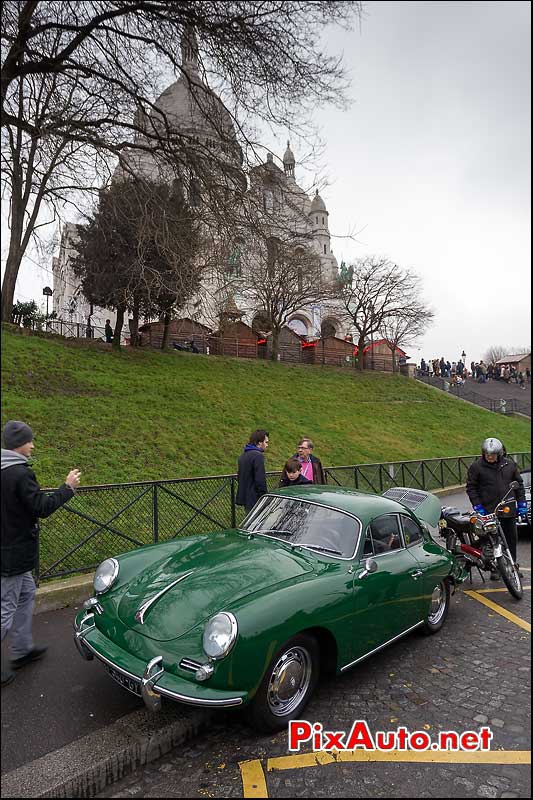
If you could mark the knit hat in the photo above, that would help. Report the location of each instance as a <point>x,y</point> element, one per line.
<point>16,434</point>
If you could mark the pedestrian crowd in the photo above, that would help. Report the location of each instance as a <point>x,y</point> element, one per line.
<point>458,373</point>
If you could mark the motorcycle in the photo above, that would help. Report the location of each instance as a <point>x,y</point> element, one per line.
<point>478,541</point>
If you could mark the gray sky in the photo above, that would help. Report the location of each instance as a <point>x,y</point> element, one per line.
<point>431,163</point>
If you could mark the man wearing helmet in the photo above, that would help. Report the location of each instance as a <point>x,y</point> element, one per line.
<point>488,481</point>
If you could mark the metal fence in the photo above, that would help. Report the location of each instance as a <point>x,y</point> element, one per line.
<point>101,521</point>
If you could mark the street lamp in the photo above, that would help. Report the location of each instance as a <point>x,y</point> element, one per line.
<point>48,293</point>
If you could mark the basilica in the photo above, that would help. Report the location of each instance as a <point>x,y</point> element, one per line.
<point>205,134</point>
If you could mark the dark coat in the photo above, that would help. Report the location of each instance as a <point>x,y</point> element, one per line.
<point>285,480</point>
<point>318,471</point>
<point>251,476</point>
<point>22,505</point>
<point>486,483</point>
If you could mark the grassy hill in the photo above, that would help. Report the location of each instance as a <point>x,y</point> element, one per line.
<point>139,415</point>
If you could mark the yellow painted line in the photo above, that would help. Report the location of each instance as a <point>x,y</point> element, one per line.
<point>423,756</point>
<point>501,610</point>
<point>489,591</point>
<point>253,779</point>
<point>253,776</point>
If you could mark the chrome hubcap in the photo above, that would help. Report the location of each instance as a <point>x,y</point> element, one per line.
<point>438,604</point>
<point>289,681</point>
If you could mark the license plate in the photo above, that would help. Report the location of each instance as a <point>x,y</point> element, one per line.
<point>130,684</point>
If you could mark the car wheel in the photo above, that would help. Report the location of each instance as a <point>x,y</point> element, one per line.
<point>287,685</point>
<point>439,606</point>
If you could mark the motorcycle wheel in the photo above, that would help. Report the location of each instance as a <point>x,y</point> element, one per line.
<point>510,576</point>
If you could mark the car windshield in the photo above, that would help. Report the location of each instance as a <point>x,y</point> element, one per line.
<point>320,528</point>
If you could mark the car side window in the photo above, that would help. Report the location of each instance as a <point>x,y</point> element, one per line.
<point>368,547</point>
<point>385,532</point>
<point>411,531</point>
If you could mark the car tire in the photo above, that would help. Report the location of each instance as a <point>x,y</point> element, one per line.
<point>287,685</point>
<point>439,605</point>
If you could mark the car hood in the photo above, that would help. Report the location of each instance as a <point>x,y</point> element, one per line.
<point>209,573</point>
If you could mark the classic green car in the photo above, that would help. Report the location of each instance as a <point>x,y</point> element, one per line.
<point>315,579</point>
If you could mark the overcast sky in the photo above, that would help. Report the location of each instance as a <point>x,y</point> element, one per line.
<point>431,163</point>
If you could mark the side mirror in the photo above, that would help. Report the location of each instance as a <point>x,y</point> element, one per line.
<point>514,485</point>
<point>369,565</point>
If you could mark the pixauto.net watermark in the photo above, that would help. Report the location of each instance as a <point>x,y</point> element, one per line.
<point>360,737</point>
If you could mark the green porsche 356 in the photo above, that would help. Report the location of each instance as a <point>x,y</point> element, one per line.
<point>315,579</point>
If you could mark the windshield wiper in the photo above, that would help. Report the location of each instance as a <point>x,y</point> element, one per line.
<point>272,530</point>
<point>319,548</point>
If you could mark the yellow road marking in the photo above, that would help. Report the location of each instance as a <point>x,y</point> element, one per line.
<point>422,756</point>
<point>500,610</point>
<point>488,591</point>
<point>253,778</point>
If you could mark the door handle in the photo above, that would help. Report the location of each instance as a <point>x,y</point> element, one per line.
<point>416,573</point>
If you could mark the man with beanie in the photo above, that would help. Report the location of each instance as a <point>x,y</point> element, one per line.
<point>251,471</point>
<point>22,505</point>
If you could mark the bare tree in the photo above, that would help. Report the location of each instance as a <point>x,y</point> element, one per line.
<point>400,330</point>
<point>373,291</point>
<point>283,278</point>
<point>79,82</point>
<point>498,351</point>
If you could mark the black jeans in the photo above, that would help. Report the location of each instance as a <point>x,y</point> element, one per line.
<point>509,529</point>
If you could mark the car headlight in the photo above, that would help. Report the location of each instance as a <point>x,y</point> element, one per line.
<point>220,634</point>
<point>105,575</point>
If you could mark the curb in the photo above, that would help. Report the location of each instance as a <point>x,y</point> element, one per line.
<point>460,487</point>
<point>51,597</point>
<point>90,764</point>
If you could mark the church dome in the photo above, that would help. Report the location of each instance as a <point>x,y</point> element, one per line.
<point>317,204</point>
<point>288,157</point>
<point>192,108</point>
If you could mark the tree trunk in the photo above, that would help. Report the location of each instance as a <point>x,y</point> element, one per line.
<point>166,330</point>
<point>360,354</point>
<point>118,326</point>
<point>134,326</point>
<point>275,344</point>
<point>394,366</point>
<point>14,259</point>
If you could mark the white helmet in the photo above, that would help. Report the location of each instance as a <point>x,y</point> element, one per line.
<point>492,447</point>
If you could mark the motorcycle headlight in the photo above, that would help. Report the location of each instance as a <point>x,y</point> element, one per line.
<point>220,634</point>
<point>105,575</point>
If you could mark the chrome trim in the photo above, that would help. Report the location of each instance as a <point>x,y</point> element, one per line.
<point>321,505</point>
<point>381,646</point>
<point>141,611</point>
<point>152,699</point>
<point>190,664</point>
<point>79,633</point>
<point>192,701</point>
<point>95,604</point>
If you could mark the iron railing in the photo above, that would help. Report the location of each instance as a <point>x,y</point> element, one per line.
<point>101,521</point>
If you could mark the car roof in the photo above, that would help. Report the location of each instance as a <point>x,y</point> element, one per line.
<point>363,505</point>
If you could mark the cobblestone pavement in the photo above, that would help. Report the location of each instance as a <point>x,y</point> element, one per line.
<point>475,672</point>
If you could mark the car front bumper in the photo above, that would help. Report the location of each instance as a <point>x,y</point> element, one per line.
<point>149,680</point>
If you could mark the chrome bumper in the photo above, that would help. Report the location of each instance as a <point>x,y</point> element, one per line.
<point>150,693</point>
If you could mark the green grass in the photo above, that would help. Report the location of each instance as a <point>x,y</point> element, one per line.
<point>143,415</point>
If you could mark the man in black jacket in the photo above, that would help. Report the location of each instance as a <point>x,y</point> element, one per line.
<point>488,482</point>
<point>251,470</point>
<point>22,505</point>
